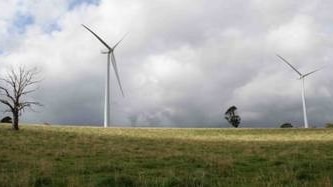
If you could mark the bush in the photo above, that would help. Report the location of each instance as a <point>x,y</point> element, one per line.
<point>6,119</point>
<point>286,125</point>
<point>329,125</point>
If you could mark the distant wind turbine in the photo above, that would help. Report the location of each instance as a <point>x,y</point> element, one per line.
<point>111,56</point>
<point>301,77</point>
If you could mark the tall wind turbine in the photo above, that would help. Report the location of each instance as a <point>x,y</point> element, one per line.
<point>301,77</point>
<point>111,56</point>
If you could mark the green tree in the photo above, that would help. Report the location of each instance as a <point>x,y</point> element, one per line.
<point>231,116</point>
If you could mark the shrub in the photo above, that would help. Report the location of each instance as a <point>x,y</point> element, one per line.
<point>329,125</point>
<point>286,125</point>
<point>6,119</point>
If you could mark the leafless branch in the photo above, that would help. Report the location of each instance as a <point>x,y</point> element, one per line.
<point>7,103</point>
<point>7,94</point>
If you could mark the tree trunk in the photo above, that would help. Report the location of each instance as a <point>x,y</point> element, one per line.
<point>15,121</point>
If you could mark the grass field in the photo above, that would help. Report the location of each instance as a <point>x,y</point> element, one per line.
<point>75,156</point>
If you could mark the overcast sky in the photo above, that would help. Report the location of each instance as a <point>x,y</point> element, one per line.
<point>183,64</point>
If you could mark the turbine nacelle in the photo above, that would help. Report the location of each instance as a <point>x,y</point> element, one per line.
<point>106,52</point>
<point>305,75</point>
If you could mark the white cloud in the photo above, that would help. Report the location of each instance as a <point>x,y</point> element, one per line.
<point>293,37</point>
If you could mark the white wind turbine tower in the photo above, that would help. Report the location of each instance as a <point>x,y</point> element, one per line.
<point>107,80</point>
<point>301,77</point>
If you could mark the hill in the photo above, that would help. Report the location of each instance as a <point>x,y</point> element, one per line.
<point>83,156</point>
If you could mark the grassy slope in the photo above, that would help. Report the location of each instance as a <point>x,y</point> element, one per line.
<point>69,156</point>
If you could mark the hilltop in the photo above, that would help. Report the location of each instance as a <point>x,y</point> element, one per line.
<point>70,156</point>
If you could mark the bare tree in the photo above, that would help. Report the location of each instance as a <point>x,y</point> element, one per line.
<point>15,87</point>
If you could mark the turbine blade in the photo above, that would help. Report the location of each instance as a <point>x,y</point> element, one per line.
<point>312,72</point>
<point>119,41</point>
<point>100,39</point>
<point>114,63</point>
<point>284,60</point>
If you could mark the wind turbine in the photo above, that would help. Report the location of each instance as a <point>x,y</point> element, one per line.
<point>301,77</point>
<point>111,56</point>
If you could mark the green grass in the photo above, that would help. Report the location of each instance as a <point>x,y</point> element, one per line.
<point>75,156</point>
